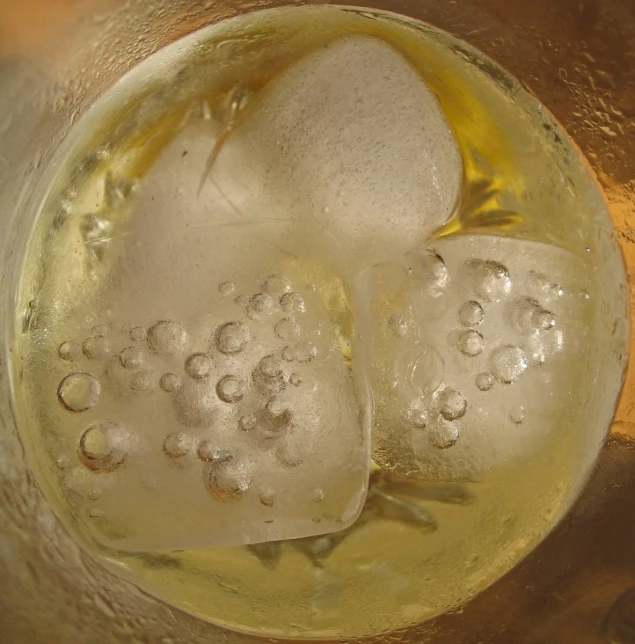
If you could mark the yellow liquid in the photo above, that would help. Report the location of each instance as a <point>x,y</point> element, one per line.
<point>404,561</point>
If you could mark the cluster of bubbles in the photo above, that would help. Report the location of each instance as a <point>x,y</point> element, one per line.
<point>198,390</point>
<point>489,282</point>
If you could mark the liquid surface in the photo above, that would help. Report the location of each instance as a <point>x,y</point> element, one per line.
<point>270,254</point>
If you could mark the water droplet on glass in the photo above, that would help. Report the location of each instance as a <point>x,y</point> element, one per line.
<point>232,338</point>
<point>471,313</point>
<point>167,338</point>
<point>199,366</point>
<point>176,445</point>
<point>288,354</point>
<point>292,303</point>
<point>79,391</point>
<point>318,495</point>
<point>267,498</point>
<point>543,320</point>
<point>208,451</point>
<point>426,371</point>
<point>248,422</point>
<point>296,379</point>
<point>398,326</point>
<point>131,358</point>
<point>242,300</point>
<point>69,351</point>
<point>277,285</point>
<point>305,352</point>
<point>102,448</point>
<point>417,413</point>
<point>443,434</point>
<point>271,374</point>
<point>231,389</point>
<point>277,409</point>
<point>170,382</point>
<point>491,280</point>
<point>429,267</point>
<point>508,363</point>
<point>226,288</point>
<point>517,415</point>
<point>228,482</point>
<point>287,329</point>
<point>138,334</point>
<point>484,381</point>
<point>261,304</point>
<point>96,348</point>
<point>452,404</point>
<point>471,343</point>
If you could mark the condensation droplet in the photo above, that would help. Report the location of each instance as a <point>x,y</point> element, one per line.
<point>296,379</point>
<point>508,363</point>
<point>471,343</point>
<point>544,320</point>
<point>231,389</point>
<point>277,285</point>
<point>96,348</point>
<point>232,338</point>
<point>167,338</point>
<point>517,415</point>
<point>452,404</point>
<point>305,352</point>
<point>138,334</point>
<point>271,374</point>
<point>426,371</point>
<point>471,313</point>
<point>170,382</point>
<point>491,280</point>
<point>261,304</point>
<point>484,381</point>
<point>398,326</point>
<point>417,413</point>
<point>176,445</point>
<point>443,434</point>
<point>199,366</point>
<point>226,288</point>
<point>242,300</point>
<point>267,498</point>
<point>69,351</point>
<point>288,354</point>
<point>292,303</point>
<point>318,495</point>
<point>101,447</point>
<point>287,329</point>
<point>79,391</point>
<point>429,267</point>
<point>278,409</point>
<point>248,422</point>
<point>131,358</point>
<point>228,482</point>
<point>211,453</point>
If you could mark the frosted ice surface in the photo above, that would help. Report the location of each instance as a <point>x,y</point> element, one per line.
<point>349,139</point>
<point>477,352</point>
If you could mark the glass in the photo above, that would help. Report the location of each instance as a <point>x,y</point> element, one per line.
<point>58,56</point>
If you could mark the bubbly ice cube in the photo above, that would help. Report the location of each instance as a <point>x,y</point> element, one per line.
<point>478,352</point>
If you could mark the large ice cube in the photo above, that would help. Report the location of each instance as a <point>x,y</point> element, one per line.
<point>479,351</point>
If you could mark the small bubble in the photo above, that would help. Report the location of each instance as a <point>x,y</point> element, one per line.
<point>288,354</point>
<point>79,391</point>
<point>96,348</point>
<point>199,366</point>
<point>242,300</point>
<point>452,404</point>
<point>209,452</point>
<point>296,379</point>
<point>471,313</point>
<point>131,358</point>
<point>398,326</point>
<point>167,338</point>
<point>318,495</point>
<point>228,482</point>
<point>232,338</point>
<point>484,381</point>
<point>443,434</point>
<point>176,445</point>
<point>138,334</point>
<point>277,285</point>
<point>248,422</point>
<point>417,413</point>
<point>99,331</point>
<point>471,343</point>
<point>491,280</point>
<point>517,415</point>
<point>142,383</point>
<point>226,288</point>
<point>305,352</point>
<point>287,329</point>
<point>267,498</point>
<point>231,389</point>
<point>508,363</point>
<point>292,303</point>
<point>69,351</point>
<point>261,304</point>
<point>101,447</point>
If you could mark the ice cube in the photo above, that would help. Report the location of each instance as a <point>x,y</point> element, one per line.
<point>480,352</point>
